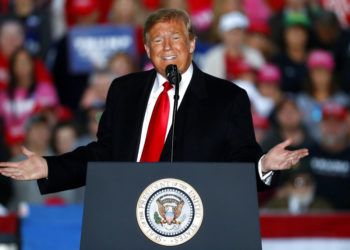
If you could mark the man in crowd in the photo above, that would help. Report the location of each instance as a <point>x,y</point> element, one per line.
<point>223,59</point>
<point>213,120</point>
<point>329,162</point>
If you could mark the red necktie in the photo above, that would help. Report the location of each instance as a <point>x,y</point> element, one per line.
<point>157,127</point>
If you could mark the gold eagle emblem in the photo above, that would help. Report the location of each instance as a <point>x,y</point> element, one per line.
<point>170,211</point>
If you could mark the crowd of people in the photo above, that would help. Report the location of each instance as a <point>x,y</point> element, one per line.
<point>291,56</point>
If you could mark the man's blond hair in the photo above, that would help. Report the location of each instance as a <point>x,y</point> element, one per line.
<point>167,15</point>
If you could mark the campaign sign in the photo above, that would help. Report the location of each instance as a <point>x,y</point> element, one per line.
<point>91,47</point>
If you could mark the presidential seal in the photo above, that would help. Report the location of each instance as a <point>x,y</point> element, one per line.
<point>169,212</point>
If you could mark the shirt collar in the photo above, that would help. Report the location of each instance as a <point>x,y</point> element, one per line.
<point>185,80</point>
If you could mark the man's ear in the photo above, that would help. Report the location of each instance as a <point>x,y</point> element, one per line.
<point>147,50</point>
<point>192,45</point>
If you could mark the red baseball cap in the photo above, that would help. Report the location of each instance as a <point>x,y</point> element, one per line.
<point>82,7</point>
<point>259,27</point>
<point>334,110</point>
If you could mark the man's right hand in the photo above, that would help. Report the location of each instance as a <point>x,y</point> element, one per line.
<point>33,168</point>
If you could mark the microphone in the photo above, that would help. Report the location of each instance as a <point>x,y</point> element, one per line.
<point>172,74</point>
<point>174,77</point>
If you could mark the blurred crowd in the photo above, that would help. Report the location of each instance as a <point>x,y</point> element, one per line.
<point>291,56</point>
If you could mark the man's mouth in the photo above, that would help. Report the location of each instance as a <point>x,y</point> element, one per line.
<point>168,58</point>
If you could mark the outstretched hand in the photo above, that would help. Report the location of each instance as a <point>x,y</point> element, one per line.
<point>33,168</point>
<point>279,158</point>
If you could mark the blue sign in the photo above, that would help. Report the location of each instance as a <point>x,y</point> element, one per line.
<point>91,47</point>
<point>52,227</point>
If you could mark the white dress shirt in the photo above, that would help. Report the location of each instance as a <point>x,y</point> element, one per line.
<point>156,90</point>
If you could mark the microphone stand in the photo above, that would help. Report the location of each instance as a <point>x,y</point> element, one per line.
<point>174,77</point>
<point>176,100</point>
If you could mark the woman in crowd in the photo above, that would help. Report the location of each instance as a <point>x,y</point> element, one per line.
<point>292,58</point>
<point>25,96</point>
<point>64,136</point>
<point>287,124</point>
<point>320,90</point>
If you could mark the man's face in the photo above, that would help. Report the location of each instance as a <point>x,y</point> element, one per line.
<point>169,43</point>
<point>11,38</point>
<point>321,78</point>
<point>296,36</point>
<point>289,116</point>
<point>334,131</point>
<point>234,38</point>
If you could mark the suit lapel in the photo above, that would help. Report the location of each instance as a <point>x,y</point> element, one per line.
<point>188,116</point>
<point>136,113</point>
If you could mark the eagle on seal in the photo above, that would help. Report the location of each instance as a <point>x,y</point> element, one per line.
<point>170,213</point>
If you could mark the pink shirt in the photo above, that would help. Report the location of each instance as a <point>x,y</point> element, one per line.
<point>17,111</point>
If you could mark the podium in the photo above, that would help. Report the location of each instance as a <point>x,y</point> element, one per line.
<point>136,206</point>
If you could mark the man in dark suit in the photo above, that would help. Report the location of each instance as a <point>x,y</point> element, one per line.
<point>213,121</point>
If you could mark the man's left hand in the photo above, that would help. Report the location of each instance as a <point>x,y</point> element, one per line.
<point>279,158</point>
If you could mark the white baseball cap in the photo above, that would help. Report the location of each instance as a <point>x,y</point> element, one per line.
<point>233,20</point>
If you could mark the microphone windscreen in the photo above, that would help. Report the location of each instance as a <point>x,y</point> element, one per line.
<point>172,74</point>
